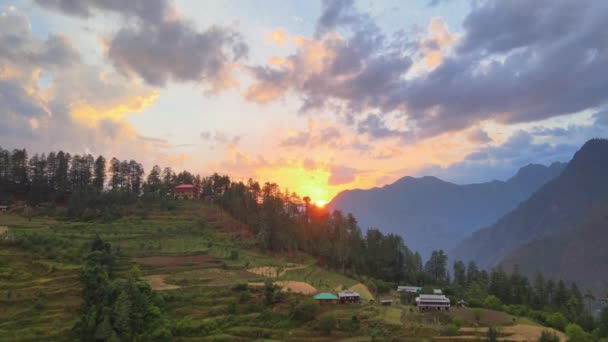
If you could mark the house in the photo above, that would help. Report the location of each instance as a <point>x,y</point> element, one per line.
<point>409,289</point>
<point>437,291</point>
<point>3,208</point>
<point>348,296</point>
<point>386,302</point>
<point>326,298</point>
<point>434,302</point>
<point>186,191</point>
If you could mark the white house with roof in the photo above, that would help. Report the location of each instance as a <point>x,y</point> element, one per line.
<point>348,296</point>
<point>435,302</point>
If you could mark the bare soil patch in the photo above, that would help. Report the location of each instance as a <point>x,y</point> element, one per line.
<point>273,272</point>
<point>157,282</point>
<point>287,285</point>
<point>3,230</point>
<point>177,261</point>
<point>296,286</point>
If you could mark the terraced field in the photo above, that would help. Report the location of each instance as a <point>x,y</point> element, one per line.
<point>210,274</point>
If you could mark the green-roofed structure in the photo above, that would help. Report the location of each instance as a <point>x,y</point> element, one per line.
<point>326,297</point>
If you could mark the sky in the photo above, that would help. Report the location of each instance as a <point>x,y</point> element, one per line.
<point>317,96</point>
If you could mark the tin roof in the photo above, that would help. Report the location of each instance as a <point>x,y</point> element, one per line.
<point>325,296</point>
<point>348,293</point>
<point>185,186</point>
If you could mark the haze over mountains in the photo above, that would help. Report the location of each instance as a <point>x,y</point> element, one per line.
<point>431,214</point>
<point>562,229</point>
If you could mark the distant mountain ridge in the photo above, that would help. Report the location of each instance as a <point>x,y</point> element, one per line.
<point>562,229</point>
<point>430,213</point>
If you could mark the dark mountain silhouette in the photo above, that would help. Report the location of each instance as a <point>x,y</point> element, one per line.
<point>433,214</point>
<point>552,220</point>
<point>578,256</point>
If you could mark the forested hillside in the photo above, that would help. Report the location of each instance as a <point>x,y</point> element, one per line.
<point>559,208</point>
<point>254,235</point>
<point>433,214</point>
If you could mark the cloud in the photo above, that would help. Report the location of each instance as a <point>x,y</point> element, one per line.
<point>438,41</point>
<point>342,175</point>
<point>221,138</point>
<point>159,45</point>
<point>601,118</point>
<point>515,62</point>
<point>479,136</point>
<point>50,99</point>
<point>314,136</point>
<point>357,68</point>
<point>501,161</point>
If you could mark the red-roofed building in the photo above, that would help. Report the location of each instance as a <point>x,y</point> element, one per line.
<point>186,191</point>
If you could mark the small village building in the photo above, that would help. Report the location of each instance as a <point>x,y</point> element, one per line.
<point>3,208</point>
<point>386,302</point>
<point>186,191</point>
<point>437,291</point>
<point>409,289</point>
<point>433,302</point>
<point>326,298</point>
<point>461,303</point>
<point>348,296</point>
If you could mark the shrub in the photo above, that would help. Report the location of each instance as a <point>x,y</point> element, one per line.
<point>240,287</point>
<point>327,324</point>
<point>557,320</point>
<point>492,334</point>
<point>304,311</point>
<point>492,302</point>
<point>449,329</point>
<point>458,321</point>
<point>576,334</point>
<point>478,315</point>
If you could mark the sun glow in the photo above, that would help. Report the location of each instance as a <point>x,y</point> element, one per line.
<point>320,203</point>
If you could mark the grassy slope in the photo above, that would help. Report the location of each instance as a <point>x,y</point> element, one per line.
<point>44,294</point>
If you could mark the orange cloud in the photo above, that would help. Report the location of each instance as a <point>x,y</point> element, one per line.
<point>278,36</point>
<point>439,39</point>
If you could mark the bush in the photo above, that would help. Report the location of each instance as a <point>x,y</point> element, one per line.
<point>478,315</point>
<point>327,324</point>
<point>458,321</point>
<point>449,329</point>
<point>492,334</point>
<point>557,320</point>
<point>548,336</point>
<point>304,311</point>
<point>492,302</point>
<point>576,334</point>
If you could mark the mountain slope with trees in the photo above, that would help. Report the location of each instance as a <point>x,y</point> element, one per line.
<point>552,215</point>
<point>430,213</point>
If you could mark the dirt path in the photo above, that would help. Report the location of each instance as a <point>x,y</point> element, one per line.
<point>157,282</point>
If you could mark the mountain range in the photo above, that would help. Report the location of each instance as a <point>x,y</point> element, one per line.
<point>561,230</point>
<point>431,214</point>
